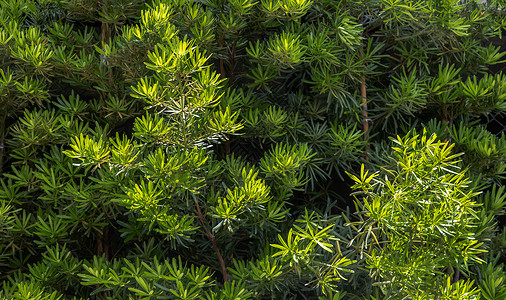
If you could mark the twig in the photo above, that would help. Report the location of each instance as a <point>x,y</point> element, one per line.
<point>3,120</point>
<point>365,115</point>
<point>363,94</point>
<point>363,104</point>
<point>213,241</point>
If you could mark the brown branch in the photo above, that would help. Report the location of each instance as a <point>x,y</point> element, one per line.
<point>100,245</point>
<point>365,115</point>
<point>232,63</point>
<point>363,104</point>
<point>447,123</point>
<point>107,243</point>
<point>456,276</point>
<point>106,38</point>
<point>223,75</point>
<point>3,120</point>
<point>222,69</point>
<point>227,146</point>
<point>103,243</point>
<point>363,94</point>
<point>213,241</point>
<point>102,248</point>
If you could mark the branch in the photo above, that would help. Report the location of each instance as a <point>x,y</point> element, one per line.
<point>365,115</point>
<point>363,94</point>
<point>3,120</point>
<point>223,75</point>
<point>363,104</point>
<point>213,241</point>
<point>105,38</point>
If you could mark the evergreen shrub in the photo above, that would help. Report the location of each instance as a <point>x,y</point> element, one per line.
<point>251,149</point>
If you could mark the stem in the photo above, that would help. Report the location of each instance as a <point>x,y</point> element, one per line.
<point>456,276</point>
<point>106,243</point>
<point>365,115</point>
<point>363,95</point>
<point>227,146</point>
<point>103,243</point>
<point>3,119</point>
<point>222,69</point>
<point>232,63</point>
<point>100,245</point>
<point>363,104</point>
<point>213,241</point>
<point>223,75</point>
<point>445,117</point>
<point>105,37</point>
<point>447,120</point>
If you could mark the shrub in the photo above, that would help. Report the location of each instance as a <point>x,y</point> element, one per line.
<point>204,149</point>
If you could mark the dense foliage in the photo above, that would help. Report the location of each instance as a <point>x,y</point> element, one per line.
<point>241,149</point>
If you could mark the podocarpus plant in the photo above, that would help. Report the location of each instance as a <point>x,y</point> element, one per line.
<point>418,219</point>
<point>190,149</point>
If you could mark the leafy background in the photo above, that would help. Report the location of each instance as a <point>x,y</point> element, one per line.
<point>210,149</point>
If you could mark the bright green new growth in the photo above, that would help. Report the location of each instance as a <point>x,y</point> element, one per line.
<point>177,178</point>
<point>418,218</point>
